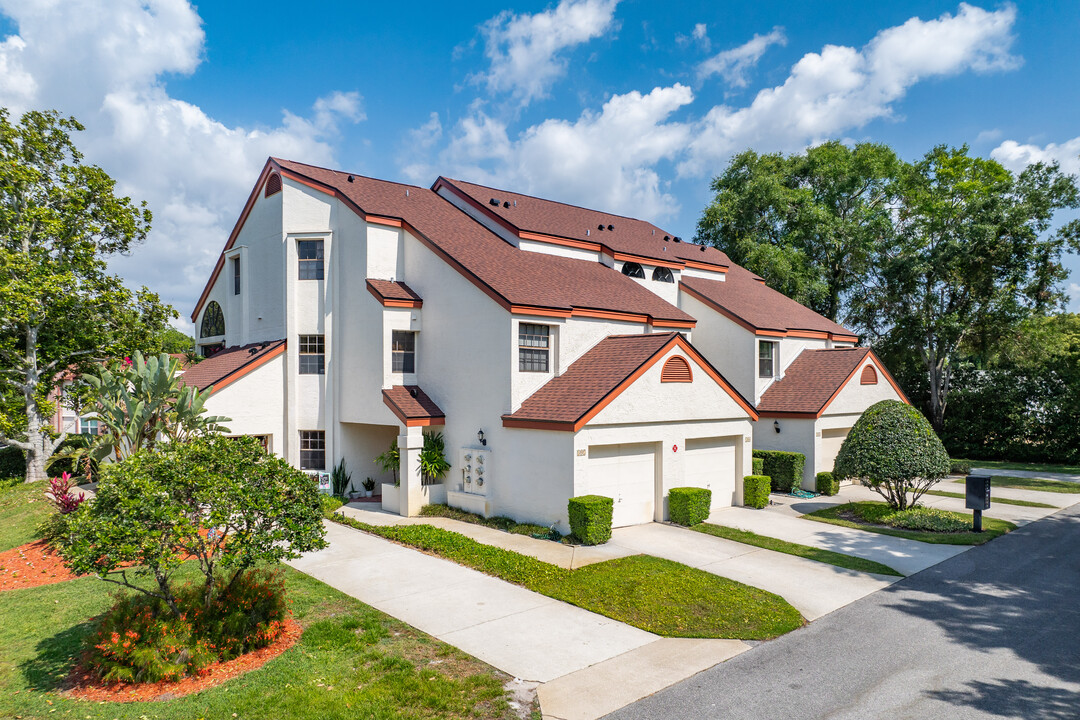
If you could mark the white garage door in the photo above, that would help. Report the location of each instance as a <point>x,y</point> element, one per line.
<point>627,474</point>
<point>710,463</point>
<point>831,441</point>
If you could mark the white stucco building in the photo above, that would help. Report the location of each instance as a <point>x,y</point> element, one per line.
<point>561,351</point>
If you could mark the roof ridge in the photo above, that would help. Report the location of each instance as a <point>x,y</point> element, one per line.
<point>347,172</point>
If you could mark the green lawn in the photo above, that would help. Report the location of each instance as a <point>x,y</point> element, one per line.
<point>22,507</point>
<point>650,593</point>
<point>1001,500</point>
<point>1025,483</point>
<point>1030,467</point>
<point>862,516</point>
<point>804,551</point>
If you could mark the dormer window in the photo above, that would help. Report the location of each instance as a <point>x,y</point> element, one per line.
<point>632,269</point>
<point>534,345</point>
<point>663,274</point>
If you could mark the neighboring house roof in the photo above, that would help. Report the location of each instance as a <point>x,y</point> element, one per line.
<point>527,214</point>
<point>570,400</point>
<point>744,298</point>
<point>230,364</point>
<point>412,406</point>
<point>521,281</point>
<point>814,378</point>
<point>394,294</point>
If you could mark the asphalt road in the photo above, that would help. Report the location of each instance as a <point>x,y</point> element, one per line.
<point>993,632</point>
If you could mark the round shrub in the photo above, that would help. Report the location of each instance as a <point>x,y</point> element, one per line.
<point>826,484</point>
<point>756,490</point>
<point>689,505</point>
<point>590,518</point>
<point>893,450</point>
<point>959,467</point>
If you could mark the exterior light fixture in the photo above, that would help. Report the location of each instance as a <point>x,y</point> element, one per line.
<point>776,425</point>
<point>480,436</point>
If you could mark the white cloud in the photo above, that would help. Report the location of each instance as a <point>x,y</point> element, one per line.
<point>525,51</point>
<point>1016,156</point>
<point>699,36</point>
<point>735,64</point>
<point>104,62</point>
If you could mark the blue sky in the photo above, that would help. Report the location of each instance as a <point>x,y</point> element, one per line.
<point>628,106</point>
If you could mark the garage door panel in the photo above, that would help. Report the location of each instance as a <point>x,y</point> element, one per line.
<point>627,474</point>
<point>710,463</point>
<point>831,442</point>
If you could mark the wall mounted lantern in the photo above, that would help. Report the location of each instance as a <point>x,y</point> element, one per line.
<point>776,425</point>
<point>482,439</point>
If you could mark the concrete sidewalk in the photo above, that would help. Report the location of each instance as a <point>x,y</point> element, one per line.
<point>1064,477</point>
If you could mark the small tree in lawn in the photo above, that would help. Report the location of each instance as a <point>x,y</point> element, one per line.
<point>222,501</point>
<point>893,450</point>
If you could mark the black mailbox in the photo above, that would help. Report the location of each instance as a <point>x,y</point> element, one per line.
<point>978,492</point>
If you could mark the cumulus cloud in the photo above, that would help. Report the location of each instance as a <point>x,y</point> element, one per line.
<point>734,65</point>
<point>1017,156</point>
<point>526,51</point>
<point>103,61</point>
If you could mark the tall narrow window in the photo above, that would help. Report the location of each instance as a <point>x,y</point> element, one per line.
<point>310,253</point>
<point>312,355</point>
<point>213,321</point>
<point>768,358</point>
<point>403,351</point>
<point>534,344</point>
<point>312,450</point>
<point>236,275</point>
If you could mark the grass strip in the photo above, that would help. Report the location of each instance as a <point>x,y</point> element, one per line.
<point>22,508</point>
<point>804,551</point>
<point>867,516</point>
<point>497,523</point>
<point>654,594</point>
<point>1026,483</point>
<point>1001,500</point>
<point>1030,467</point>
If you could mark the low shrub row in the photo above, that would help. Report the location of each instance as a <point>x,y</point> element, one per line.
<point>785,468</point>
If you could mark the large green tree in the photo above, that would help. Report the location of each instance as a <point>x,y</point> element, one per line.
<point>60,309</point>
<point>972,254</point>
<point>808,222</point>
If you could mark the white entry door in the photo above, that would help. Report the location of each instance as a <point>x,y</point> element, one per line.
<point>831,442</point>
<point>627,474</point>
<point>710,463</point>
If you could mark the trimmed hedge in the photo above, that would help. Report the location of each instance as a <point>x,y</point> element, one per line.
<point>759,466</point>
<point>756,490</point>
<point>590,518</point>
<point>689,505</point>
<point>785,468</point>
<point>826,484</point>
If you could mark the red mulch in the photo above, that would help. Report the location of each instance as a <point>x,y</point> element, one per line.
<point>31,565</point>
<point>82,684</point>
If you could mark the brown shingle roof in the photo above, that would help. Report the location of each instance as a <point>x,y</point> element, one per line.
<point>743,297</point>
<point>394,292</point>
<point>412,405</point>
<point>230,364</point>
<point>517,277</point>
<point>636,237</point>
<point>811,381</point>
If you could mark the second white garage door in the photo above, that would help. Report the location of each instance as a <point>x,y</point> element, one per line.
<point>831,441</point>
<point>710,463</point>
<point>625,473</point>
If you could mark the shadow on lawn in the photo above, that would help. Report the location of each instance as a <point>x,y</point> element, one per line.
<point>55,657</point>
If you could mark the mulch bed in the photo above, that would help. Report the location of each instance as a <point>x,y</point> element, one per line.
<point>82,684</point>
<point>31,565</point>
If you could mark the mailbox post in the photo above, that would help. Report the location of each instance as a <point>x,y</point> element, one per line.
<point>978,497</point>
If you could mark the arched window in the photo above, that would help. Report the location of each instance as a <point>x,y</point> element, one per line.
<point>633,270</point>
<point>869,375</point>
<point>662,274</point>
<point>676,369</point>
<point>273,185</point>
<point>213,321</point>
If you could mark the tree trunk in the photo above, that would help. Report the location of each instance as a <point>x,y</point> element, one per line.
<point>39,446</point>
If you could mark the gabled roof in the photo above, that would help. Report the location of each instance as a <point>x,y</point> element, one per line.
<point>412,406</point>
<point>813,379</point>
<point>570,400</point>
<point>230,364</point>
<point>525,214</point>
<point>744,298</point>
<point>521,281</point>
<point>394,294</point>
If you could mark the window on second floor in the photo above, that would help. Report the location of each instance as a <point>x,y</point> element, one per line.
<point>236,276</point>
<point>312,355</point>
<point>213,321</point>
<point>663,274</point>
<point>310,254</point>
<point>768,358</point>
<point>88,426</point>
<point>403,351</point>
<point>534,346</point>
<point>633,270</point>
<point>312,450</point>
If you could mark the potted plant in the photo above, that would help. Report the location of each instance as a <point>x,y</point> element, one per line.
<point>369,487</point>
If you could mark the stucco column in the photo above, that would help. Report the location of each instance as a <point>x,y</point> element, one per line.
<point>411,492</point>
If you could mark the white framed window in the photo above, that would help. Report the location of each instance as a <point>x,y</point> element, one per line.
<point>312,450</point>
<point>663,274</point>
<point>403,351</point>
<point>534,347</point>
<point>236,275</point>
<point>310,257</point>
<point>312,355</point>
<point>89,426</point>
<point>768,358</point>
<point>632,269</point>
